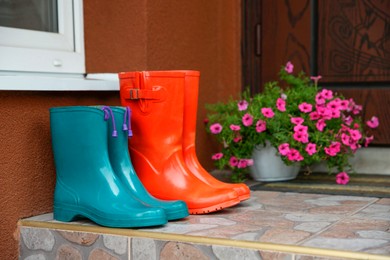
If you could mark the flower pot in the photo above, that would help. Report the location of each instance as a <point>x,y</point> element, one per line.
<point>268,166</point>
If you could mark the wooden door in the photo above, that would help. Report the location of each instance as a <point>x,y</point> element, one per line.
<point>345,41</point>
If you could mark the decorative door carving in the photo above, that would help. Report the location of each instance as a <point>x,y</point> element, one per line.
<point>345,41</point>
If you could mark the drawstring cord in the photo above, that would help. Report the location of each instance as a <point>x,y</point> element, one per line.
<point>107,113</point>
<point>127,126</point>
<point>126,120</point>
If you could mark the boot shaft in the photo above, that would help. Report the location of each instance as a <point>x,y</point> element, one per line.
<point>118,146</point>
<point>156,99</point>
<point>191,93</point>
<point>79,134</point>
<point>80,148</point>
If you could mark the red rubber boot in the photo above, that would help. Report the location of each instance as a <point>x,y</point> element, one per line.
<point>156,99</point>
<point>191,90</point>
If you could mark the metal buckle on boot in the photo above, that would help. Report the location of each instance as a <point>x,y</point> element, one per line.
<point>134,93</point>
<point>157,93</point>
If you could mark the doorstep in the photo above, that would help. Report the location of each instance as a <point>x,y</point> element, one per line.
<point>270,225</point>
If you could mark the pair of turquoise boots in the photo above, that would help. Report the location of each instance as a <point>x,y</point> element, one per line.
<point>95,178</point>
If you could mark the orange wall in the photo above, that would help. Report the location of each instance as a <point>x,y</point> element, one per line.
<point>130,35</point>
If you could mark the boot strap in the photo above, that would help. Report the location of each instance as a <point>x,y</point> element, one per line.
<point>137,93</point>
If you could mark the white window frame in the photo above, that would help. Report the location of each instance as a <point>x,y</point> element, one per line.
<point>35,60</point>
<point>37,51</point>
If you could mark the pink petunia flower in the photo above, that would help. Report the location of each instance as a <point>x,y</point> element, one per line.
<point>373,122</point>
<point>327,94</point>
<point>320,99</point>
<point>235,127</point>
<point>233,161</point>
<point>261,126</point>
<point>242,105</point>
<point>348,120</point>
<point>294,155</point>
<point>335,113</point>
<point>320,125</point>
<point>334,105</point>
<point>333,149</point>
<point>247,120</point>
<point>301,129</point>
<point>336,146</point>
<point>289,67</point>
<point>299,157</point>
<point>249,162</point>
<point>281,104</point>
<point>316,79</point>
<point>329,151</point>
<point>284,149</point>
<point>344,128</point>
<point>355,146</point>
<point>297,120</point>
<point>351,104</point>
<point>338,101</point>
<point>355,134</point>
<point>314,116</point>
<point>305,107</point>
<point>217,156</point>
<point>324,112</point>
<point>345,139</point>
<point>311,148</point>
<point>237,139</point>
<point>267,112</point>
<point>368,140</point>
<point>301,137</point>
<point>342,178</point>
<point>216,128</point>
<point>242,163</point>
<point>357,109</point>
<point>344,104</point>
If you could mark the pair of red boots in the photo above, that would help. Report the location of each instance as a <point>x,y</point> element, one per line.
<point>164,108</point>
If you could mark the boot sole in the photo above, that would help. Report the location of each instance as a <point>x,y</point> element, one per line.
<point>244,197</point>
<point>176,215</point>
<point>68,214</point>
<point>214,208</point>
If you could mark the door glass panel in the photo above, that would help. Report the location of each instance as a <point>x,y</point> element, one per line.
<point>38,15</point>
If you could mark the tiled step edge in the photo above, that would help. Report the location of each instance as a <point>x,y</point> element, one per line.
<point>291,249</point>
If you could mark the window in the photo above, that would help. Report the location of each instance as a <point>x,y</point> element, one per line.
<point>41,36</point>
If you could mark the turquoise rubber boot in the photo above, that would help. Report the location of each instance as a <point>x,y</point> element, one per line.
<point>86,185</point>
<point>118,151</point>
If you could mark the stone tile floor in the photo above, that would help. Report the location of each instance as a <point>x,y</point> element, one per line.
<point>358,224</point>
<point>304,221</point>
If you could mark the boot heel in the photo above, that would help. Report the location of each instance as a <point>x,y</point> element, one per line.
<point>64,215</point>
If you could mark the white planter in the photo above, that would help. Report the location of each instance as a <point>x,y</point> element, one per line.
<point>268,166</point>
